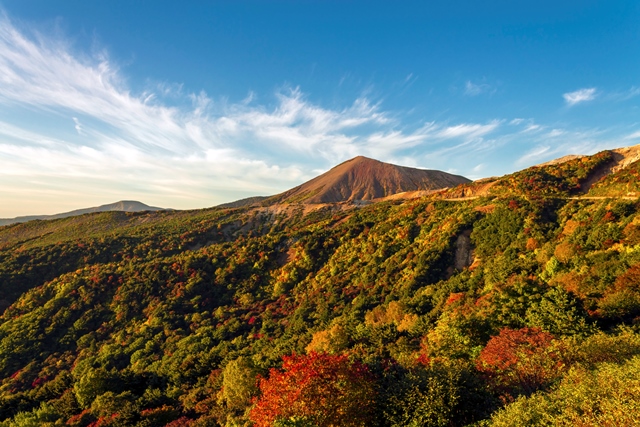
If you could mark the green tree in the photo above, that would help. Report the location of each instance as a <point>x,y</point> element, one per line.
<point>239,383</point>
<point>559,313</point>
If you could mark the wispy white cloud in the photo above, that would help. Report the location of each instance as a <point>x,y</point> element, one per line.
<point>77,126</point>
<point>527,125</point>
<point>581,95</point>
<point>555,133</point>
<point>631,93</point>
<point>532,128</point>
<point>468,130</point>
<point>536,154</point>
<point>634,135</point>
<point>561,142</point>
<point>170,146</point>
<point>478,167</point>
<point>475,89</point>
<point>166,143</point>
<point>623,95</point>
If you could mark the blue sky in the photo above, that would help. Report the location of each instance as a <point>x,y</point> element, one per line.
<point>191,104</point>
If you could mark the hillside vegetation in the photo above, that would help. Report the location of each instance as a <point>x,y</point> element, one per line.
<point>518,307</point>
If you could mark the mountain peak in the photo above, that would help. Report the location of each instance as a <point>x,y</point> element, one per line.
<point>363,178</point>
<point>362,159</point>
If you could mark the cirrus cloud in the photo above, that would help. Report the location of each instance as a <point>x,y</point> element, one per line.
<point>85,133</point>
<point>581,95</point>
<point>75,132</point>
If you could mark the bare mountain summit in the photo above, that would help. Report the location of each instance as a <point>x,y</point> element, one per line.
<point>362,178</point>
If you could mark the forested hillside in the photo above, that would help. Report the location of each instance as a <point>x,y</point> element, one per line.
<point>517,306</point>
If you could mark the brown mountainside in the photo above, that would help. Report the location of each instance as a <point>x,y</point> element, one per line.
<point>362,178</point>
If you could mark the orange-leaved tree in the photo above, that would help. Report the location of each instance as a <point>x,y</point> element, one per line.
<point>322,389</point>
<point>521,361</point>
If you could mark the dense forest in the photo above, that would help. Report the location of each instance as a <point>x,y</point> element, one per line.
<point>518,306</point>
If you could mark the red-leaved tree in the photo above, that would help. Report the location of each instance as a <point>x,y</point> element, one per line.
<point>520,361</point>
<point>322,389</point>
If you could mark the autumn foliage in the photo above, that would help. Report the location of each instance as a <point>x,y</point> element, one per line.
<point>325,390</point>
<point>520,360</point>
<point>171,318</point>
<point>622,300</point>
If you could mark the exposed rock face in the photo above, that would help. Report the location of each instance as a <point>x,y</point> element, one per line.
<point>464,252</point>
<point>625,156</point>
<point>362,178</point>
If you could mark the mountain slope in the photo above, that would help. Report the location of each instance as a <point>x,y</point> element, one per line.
<point>362,178</point>
<point>569,176</point>
<point>445,308</point>
<point>150,319</point>
<point>249,201</point>
<point>121,206</point>
<point>621,183</point>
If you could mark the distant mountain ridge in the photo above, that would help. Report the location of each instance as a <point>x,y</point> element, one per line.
<point>362,178</point>
<point>121,206</point>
